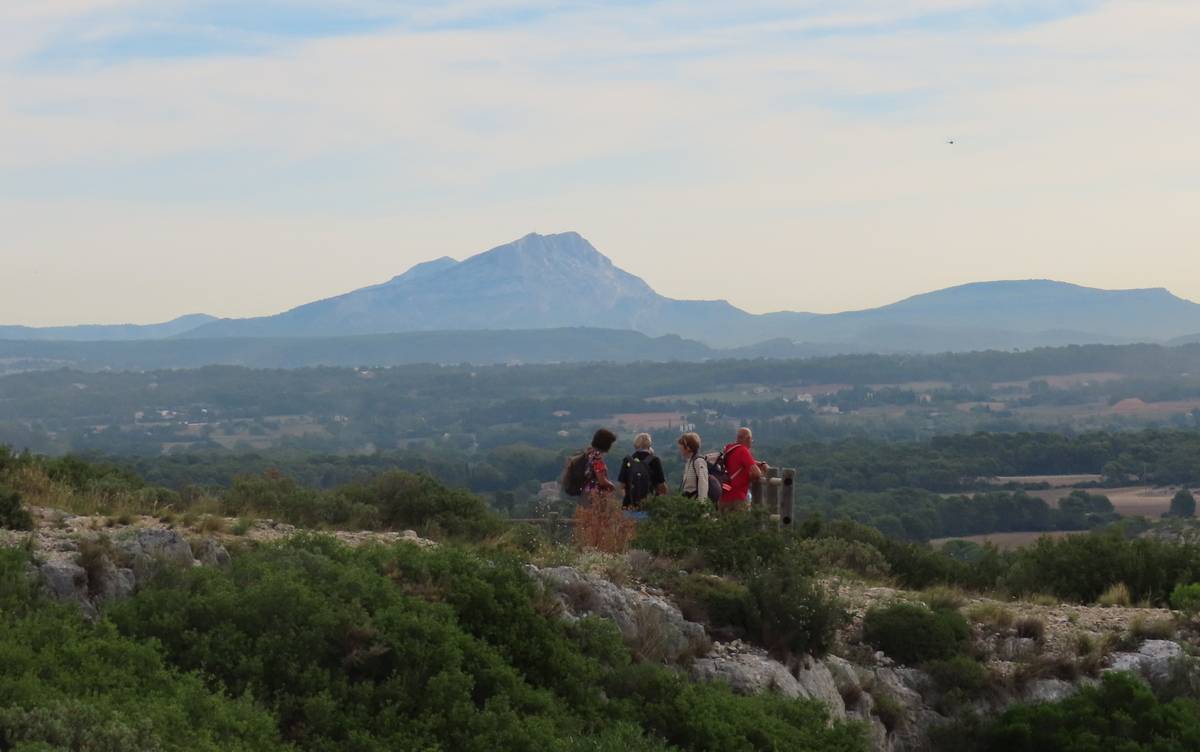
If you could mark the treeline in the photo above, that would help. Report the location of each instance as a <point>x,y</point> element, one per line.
<point>943,464</point>
<point>951,463</point>
<point>917,515</point>
<point>241,391</point>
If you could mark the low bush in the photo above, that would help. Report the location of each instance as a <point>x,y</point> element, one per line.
<point>725,543</point>
<point>943,598</point>
<point>1030,628</point>
<point>13,514</point>
<point>723,605</point>
<point>912,633</point>
<point>842,556</point>
<point>1186,598</point>
<point>959,673</point>
<point>792,614</point>
<point>447,648</point>
<point>1121,713</point>
<point>69,684</point>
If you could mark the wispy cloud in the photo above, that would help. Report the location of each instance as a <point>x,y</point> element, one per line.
<point>806,137</point>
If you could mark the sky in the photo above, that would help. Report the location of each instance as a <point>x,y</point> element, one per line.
<point>163,157</point>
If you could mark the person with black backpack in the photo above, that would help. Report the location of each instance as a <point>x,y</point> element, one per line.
<point>641,474</point>
<point>585,473</point>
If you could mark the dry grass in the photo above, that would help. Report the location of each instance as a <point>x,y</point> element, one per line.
<point>652,643</point>
<point>211,524</point>
<point>1143,628</point>
<point>1031,628</point>
<point>1117,595</point>
<point>943,598</point>
<point>992,613</point>
<point>613,567</point>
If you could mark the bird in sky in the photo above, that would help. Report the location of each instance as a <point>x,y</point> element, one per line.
<point>951,142</point>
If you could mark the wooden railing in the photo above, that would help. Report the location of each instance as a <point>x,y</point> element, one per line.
<point>776,492</point>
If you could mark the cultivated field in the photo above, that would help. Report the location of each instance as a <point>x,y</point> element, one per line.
<point>1007,541</point>
<point>1055,481</point>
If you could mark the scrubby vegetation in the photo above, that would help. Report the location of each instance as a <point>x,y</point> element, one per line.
<point>13,514</point>
<point>913,633</point>
<point>311,645</point>
<point>67,684</point>
<point>1119,714</point>
<point>369,649</point>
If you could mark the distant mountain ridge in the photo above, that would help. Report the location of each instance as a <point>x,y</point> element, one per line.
<point>106,332</point>
<point>553,281</point>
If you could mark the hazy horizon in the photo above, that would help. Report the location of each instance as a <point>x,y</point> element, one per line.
<point>464,257</point>
<point>212,157</point>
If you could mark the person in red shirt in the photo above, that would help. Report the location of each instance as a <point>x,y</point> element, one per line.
<point>742,469</point>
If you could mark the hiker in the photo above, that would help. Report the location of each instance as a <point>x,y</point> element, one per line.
<point>742,470</point>
<point>585,474</point>
<point>695,467</point>
<point>641,474</point>
<point>597,473</point>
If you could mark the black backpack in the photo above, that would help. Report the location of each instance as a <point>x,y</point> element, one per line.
<point>575,474</point>
<point>637,478</point>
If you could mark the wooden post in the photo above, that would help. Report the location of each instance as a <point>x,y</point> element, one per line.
<point>771,492</point>
<point>787,497</point>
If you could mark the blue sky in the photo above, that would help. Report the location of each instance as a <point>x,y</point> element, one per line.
<point>240,158</point>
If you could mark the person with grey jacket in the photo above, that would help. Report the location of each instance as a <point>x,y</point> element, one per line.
<point>695,467</point>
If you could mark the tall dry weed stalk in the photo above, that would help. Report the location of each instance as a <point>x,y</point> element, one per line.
<point>601,525</point>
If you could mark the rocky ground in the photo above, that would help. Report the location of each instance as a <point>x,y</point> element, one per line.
<point>898,704</point>
<point>91,559</point>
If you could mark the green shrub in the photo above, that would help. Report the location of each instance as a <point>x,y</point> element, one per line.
<point>1186,598</point>
<point>723,605</point>
<point>409,648</point>
<point>408,500</point>
<point>836,555</point>
<point>792,614</point>
<point>13,514</point>
<point>1183,504</point>
<point>726,543</point>
<point>958,673</point>
<point>887,709</point>
<point>69,684</point>
<point>911,633</point>
<point>1119,714</point>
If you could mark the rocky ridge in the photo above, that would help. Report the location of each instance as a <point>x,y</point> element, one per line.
<point>899,705</point>
<point>90,559</point>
